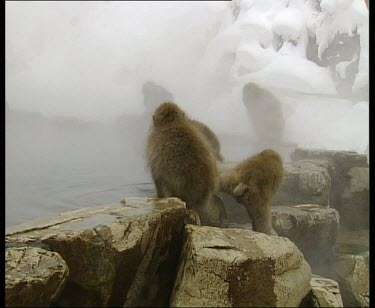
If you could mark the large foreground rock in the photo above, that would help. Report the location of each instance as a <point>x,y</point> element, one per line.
<point>312,228</point>
<point>355,199</point>
<point>324,293</point>
<point>117,254</point>
<point>34,277</point>
<point>352,273</point>
<point>234,267</point>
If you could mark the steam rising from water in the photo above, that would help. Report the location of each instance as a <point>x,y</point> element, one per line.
<point>81,67</point>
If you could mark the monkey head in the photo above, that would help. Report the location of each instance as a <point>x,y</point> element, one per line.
<point>251,91</point>
<point>167,113</point>
<point>271,154</point>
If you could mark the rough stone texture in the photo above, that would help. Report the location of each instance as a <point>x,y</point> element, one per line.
<point>352,274</point>
<point>34,277</point>
<point>305,181</point>
<point>312,228</point>
<point>344,159</point>
<point>235,267</point>
<point>117,254</point>
<point>354,208</point>
<point>324,293</point>
<point>340,162</point>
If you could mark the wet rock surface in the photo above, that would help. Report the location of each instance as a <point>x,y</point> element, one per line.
<point>312,228</point>
<point>117,254</point>
<point>34,277</point>
<point>234,267</point>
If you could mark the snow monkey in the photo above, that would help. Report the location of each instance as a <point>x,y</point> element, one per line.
<point>181,162</point>
<point>265,112</point>
<point>211,138</point>
<point>155,94</point>
<point>253,183</point>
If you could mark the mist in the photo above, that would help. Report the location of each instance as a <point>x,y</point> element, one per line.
<point>75,125</point>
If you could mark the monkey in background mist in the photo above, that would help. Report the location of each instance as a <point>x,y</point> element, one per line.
<point>154,95</point>
<point>265,112</point>
<point>253,183</point>
<point>182,164</point>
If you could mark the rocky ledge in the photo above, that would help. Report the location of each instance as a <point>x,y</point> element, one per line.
<point>148,252</point>
<point>117,254</point>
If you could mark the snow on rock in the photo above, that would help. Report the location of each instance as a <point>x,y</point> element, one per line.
<point>289,23</point>
<point>329,6</point>
<point>266,43</point>
<point>253,58</point>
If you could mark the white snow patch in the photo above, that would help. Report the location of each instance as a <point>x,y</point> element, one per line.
<point>289,24</point>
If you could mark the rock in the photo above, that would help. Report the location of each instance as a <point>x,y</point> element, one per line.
<point>235,267</point>
<point>340,162</point>
<point>342,159</point>
<point>34,277</point>
<point>354,208</point>
<point>118,254</point>
<point>352,241</point>
<point>352,274</point>
<point>304,181</point>
<point>312,228</point>
<point>324,293</point>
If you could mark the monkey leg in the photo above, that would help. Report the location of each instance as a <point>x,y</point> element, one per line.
<point>193,218</point>
<point>159,188</point>
<point>260,214</point>
<point>212,212</point>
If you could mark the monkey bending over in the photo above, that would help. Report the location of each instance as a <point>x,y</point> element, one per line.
<point>253,183</point>
<point>181,162</point>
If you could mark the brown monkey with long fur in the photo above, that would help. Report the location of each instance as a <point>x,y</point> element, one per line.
<point>181,162</point>
<point>211,138</point>
<point>253,183</point>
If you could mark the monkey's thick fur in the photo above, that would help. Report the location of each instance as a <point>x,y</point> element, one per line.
<point>181,162</point>
<point>253,183</point>
<point>211,138</point>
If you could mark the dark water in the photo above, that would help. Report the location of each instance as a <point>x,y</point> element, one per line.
<point>49,190</point>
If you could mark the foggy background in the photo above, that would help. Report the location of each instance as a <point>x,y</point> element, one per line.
<point>75,125</point>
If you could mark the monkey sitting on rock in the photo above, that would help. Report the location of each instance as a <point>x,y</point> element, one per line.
<point>182,164</point>
<point>253,183</point>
